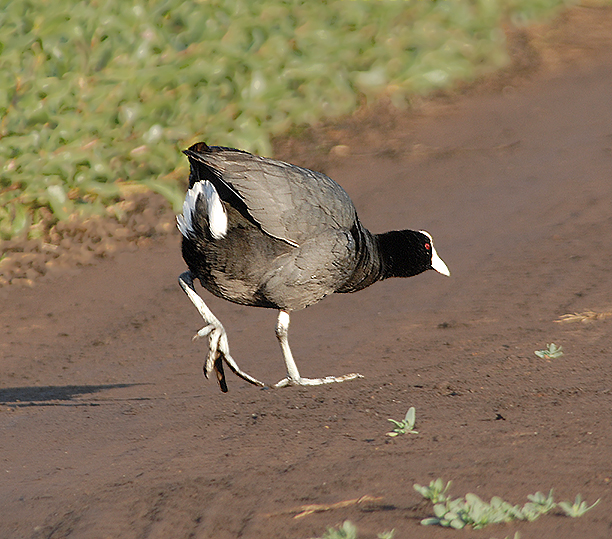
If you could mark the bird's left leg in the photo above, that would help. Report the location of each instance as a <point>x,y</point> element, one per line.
<point>218,347</point>
<point>293,375</point>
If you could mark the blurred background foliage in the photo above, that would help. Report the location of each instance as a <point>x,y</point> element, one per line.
<point>98,97</point>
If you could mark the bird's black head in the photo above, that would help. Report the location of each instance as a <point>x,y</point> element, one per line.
<point>407,252</point>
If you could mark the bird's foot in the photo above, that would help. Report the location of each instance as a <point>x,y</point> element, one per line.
<point>218,353</point>
<point>218,346</point>
<point>285,382</point>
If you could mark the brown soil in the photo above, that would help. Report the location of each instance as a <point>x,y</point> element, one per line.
<point>108,429</point>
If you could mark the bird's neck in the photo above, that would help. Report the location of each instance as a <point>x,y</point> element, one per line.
<point>381,256</point>
<point>368,268</point>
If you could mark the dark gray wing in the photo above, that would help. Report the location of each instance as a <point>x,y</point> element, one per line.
<point>288,202</point>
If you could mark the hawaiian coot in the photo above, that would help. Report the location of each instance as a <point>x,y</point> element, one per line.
<point>265,233</point>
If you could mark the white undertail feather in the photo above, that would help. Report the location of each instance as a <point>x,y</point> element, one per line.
<point>215,212</point>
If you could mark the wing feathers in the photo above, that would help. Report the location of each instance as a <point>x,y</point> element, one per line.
<point>287,202</point>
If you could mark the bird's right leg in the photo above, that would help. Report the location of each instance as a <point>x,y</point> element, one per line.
<point>218,347</point>
<point>293,377</point>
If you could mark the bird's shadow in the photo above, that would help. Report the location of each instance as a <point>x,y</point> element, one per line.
<point>52,395</point>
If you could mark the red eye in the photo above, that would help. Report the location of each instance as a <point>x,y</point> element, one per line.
<point>427,246</point>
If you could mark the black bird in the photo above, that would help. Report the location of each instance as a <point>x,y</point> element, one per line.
<point>265,233</point>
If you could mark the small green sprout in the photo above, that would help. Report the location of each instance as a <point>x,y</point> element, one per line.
<point>578,508</point>
<point>538,504</point>
<point>405,426</point>
<point>450,514</point>
<point>552,351</point>
<point>436,491</point>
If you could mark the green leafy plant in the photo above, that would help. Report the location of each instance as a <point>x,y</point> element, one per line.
<point>538,504</point>
<point>436,491</point>
<point>406,425</point>
<point>578,508</point>
<point>552,351</point>
<point>349,531</point>
<point>97,97</point>
<point>471,510</point>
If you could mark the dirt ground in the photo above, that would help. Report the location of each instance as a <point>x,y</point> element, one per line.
<point>109,430</point>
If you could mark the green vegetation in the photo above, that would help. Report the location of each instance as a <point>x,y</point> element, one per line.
<point>578,508</point>
<point>98,98</point>
<point>406,425</point>
<point>473,511</point>
<point>435,492</point>
<point>552,351</point>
